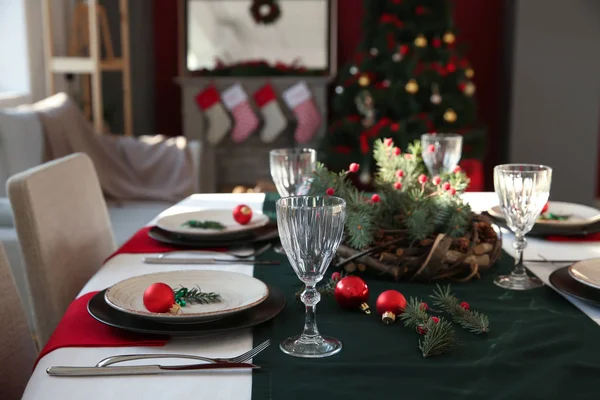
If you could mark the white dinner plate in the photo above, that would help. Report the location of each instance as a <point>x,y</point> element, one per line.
<point>579,214</point>
<point>238,292</point>
<point>586,272</point>
<point>175,223</point>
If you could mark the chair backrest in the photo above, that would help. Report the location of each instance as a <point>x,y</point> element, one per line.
<point>64,230</point>
<point>17,349</point>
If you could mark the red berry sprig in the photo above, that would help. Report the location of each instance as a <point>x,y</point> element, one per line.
<point>354,167</point>
<point>330,192</point>
<point>375,198</point>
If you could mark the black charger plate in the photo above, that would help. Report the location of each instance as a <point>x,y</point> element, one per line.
<point>564,283</point>
<point>264,234</point>
<point>268,309</point>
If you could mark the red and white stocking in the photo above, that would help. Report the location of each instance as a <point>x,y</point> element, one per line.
<point>300,100</point>
<point>219,122</point>
<point>246,121</point>
<point>273,117</point>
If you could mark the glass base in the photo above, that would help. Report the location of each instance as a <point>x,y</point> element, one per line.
<point>318,347</point>
<point>516,282</point>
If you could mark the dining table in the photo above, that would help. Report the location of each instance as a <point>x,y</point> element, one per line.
<point>541,344</point>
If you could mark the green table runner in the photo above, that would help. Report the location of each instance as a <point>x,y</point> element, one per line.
<point>540,347</point>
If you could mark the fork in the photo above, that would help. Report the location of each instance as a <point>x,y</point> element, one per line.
<point>238,359</point>
<point>255,253</point>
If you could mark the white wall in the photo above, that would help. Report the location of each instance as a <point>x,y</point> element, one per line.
<point>13,45</point>
<point>556,92</point>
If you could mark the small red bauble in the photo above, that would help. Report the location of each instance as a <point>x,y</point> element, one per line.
<point>399,173</point>
<point>354,167</point>
<point>462,86</point>
<point>457,169</point>
<point>446,186</point>
<point>397,151</point>
<point>435,320</point>
<point>431,148</point>
<point>329,192</point>
<point>451,68</point>
<point>242,214</point>
<point>545,207</point>
<point>404,49</point>
<point>159,298</point>
<point>420,10</point>
<point>422,179</point>
<point>436,180</point>
<point>388,142</point>
<point>452,191</point>
<point>398,185</point>
<point>390,304</point>
<point>423,306</point>
<point>352,292</point>
<point>395,126</point>
<point>465,305</point>
<point>336,276</point>
<point>375,198</point>
<point>436,42</point>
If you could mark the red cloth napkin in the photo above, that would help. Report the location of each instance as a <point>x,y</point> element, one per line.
<point>592,237</point>
<point>78,328</point>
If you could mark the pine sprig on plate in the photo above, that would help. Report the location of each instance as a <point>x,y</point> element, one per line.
<point>473,321</point>
<point>204,224</point>
<point>195,296</point>
<point>438,334</point>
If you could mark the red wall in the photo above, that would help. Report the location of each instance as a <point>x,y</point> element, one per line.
<point>480,25</point>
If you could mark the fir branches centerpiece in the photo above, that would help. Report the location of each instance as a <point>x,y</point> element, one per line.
<point>415,226</point>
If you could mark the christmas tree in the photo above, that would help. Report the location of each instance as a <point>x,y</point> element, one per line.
<point>407,78</point>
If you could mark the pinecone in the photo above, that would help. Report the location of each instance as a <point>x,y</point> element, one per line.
<point>487,234</point>
<point>460,244</point>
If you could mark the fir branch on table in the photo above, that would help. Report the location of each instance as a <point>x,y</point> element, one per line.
<point>473,321</point>
<point>204,224</point>
<point>439,335</point>
<point>195,296</point>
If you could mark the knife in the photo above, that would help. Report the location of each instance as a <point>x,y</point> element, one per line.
<point>203,261</point>
<point>142,369</point>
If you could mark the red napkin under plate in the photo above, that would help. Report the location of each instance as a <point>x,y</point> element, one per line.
<point>78,328</point>
<point>592,237</point>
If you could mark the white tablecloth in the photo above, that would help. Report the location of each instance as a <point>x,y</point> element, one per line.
<point>219,384</point>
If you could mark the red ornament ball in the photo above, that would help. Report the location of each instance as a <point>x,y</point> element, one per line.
<point>422,179</point>
<point>390,304</point>
<point>399,173</point>
<point>462,86</point>
<point>329,192</point>
<point>159,298</point>
<point>242,214</point>
<point>398,185</point>
<point>436,42</point>
<point>452,191</point>
<point>435,320</point>
<point>354,167</point>
<point>451,68</point>
<point>375,198</point>
<point>436,180</point>
<point>397,151</point>
<point>351,292</point>
<point>420,10</point>
<point>545,207</point>
<point>465,305</point>
<point>336,276</point>
<point>395,126</point>
<point>446,186</point>
<point>404,49</point>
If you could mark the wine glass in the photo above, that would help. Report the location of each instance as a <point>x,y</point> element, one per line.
<point>291,170</point>
<point>311,229</point>
<point>441,151</point>
<point>523,190</point>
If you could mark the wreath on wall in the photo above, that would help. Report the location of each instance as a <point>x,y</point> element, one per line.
<point>265,11</point>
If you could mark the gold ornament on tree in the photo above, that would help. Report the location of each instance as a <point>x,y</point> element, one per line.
<point>420,41</point>
<point>469,73</point>
<point>450,116</point>
<point>436,97</point>
<point>412,87</point>
<point>449,37</point>
<point>469,89</point>
<point>364,80</point>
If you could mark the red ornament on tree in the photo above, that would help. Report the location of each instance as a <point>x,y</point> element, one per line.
<point>329,192</point>
<point>404,49</point>
<point>436,42</point>
<point>354,167</point>
<point>390,304</point>
<point>375,198</point>
<point>446,186</point>
<point>397,151</point>
<point>242,214</point>
<point>159,298</point>
<point>398,185</point>
<point>351,293</point>
<point>465,305</point>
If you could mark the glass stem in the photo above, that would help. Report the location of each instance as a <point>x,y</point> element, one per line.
<point>520,244</point>
<point>310,297</point>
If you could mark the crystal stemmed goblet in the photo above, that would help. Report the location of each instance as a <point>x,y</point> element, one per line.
<point>291,170</point>
<point>441,152</point>
<point>523,190</point>
<point>311,230</point>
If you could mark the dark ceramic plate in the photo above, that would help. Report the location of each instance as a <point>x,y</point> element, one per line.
<point>564,283</point>
<point>268,309</point>
<point>542,230</point>
<point>263,234</point>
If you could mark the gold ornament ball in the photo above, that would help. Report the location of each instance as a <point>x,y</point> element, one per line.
<point>420,41</point>
<point>470,89</point>
<point>436,99</point>
<point>364,81</point>
<point>469,73</point>
<point>450,115</point>
<point>412,87</point>
<point>449,37</point>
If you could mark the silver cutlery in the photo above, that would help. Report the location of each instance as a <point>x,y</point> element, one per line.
<point>237,359</point>
<point>203,261</point>
<point>231,253</point>
<point>142,369</point>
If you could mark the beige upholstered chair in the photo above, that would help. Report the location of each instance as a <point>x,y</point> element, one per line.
<point>17,349</point>
<point>64,231</point>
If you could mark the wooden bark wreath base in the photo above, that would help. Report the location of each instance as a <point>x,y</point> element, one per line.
<point>439,257</point>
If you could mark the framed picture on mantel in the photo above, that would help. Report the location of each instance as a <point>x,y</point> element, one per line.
<point>258,38</point>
